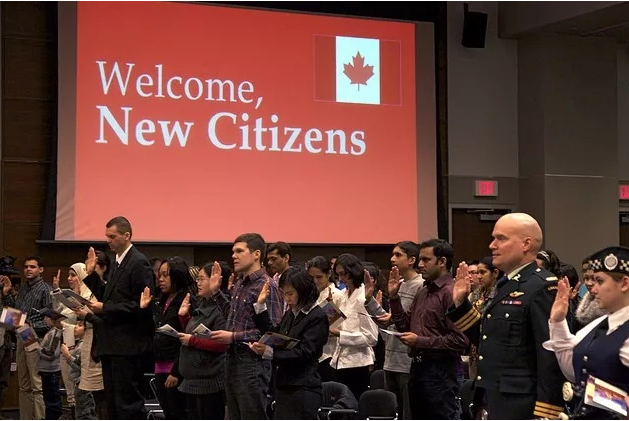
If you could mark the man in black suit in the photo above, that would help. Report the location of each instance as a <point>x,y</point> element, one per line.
<point>125,334</point>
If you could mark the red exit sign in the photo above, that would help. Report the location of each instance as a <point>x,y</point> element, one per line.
<point>486,188</point>
<point>623,192</point>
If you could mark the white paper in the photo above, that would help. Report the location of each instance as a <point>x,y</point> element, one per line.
<point>202,330</point>
<point>168,330</point>
<point>391,332</point>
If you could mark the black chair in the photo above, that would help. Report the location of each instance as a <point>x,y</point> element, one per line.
<point>377,404</point>
<point>376,380</point>
<point>338,402</point>
<point>152,405</point>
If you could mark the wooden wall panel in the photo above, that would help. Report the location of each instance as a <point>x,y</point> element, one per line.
<point>27,125</point>
<point>29,68</point>
<point>24,195</point>
<point>26,19</point>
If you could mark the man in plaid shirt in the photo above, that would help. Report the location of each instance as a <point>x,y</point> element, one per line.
<point>244,367</point>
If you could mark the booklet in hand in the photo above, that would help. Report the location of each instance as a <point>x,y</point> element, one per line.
<point>167,330</point>
<point>391,332</point>
<point>51,314</point>
<point>603,395</point>
<point>333,312</point>
<point>276,340</point>
<point>12,317</point>
<point>29,337</point>
<point>202,330</point>
<point>70,299</point>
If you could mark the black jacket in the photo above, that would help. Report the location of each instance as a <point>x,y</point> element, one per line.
<point>298,366</point>
<point>165,347</point>
<point>509,335</point>
<point>126,329</point>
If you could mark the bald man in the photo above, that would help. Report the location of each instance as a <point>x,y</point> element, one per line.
<point>517,378</point>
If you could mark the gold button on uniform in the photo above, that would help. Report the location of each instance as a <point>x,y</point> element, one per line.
<point>506,315</point>
<point>479,378</point>
<point>480,358</point>
<point>489,316</point>
<point>484,337</point>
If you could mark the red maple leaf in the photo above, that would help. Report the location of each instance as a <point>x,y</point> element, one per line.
<point>357,72</point>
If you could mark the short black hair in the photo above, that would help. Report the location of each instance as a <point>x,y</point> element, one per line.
<point>303,283</point>
<point>122,225</point>
<point>39,260</point>
<point>283,249</point>
<point>570,272</point>
<point>440,248</point>
<point>254,242</point>
<point>411,249</point>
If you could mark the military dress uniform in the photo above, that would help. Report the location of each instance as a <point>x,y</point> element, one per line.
<point>596,349</point>
<point>519,378</point>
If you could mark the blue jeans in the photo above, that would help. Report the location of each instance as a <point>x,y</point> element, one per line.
<point>247,378</point>
<point>52,394</point>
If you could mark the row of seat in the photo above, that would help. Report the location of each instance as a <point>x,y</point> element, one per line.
<point>338,402</point>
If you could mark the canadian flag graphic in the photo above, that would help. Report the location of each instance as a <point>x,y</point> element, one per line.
<point>357,70</point>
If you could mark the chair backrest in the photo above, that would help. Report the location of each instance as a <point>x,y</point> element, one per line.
<point>376,380</point>
<point>377,403</point>
<point>337,395</point>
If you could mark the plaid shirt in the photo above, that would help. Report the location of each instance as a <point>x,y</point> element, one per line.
<point>33,294</point>
<point>239,312</point>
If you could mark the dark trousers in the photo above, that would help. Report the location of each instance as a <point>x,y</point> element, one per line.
<point>205,407</point>
<point>247,378</point>
<point>172,401</point>
<point>122,378</point>
<point>100,399</point>
<point>327,373</point>
<point>52,394</point>
<point>297,403</point>
<point>433,389</point>
<point>356,378</point>
<point>509,406</point>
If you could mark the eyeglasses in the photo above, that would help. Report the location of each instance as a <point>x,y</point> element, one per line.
<point>201,279</point>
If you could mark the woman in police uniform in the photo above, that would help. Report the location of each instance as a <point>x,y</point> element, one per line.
<point>601,348</point>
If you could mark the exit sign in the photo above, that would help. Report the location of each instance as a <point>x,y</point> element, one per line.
<point>486,188</point>
<point>623,192</point>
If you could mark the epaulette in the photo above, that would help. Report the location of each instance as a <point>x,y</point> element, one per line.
<point>551,278</point>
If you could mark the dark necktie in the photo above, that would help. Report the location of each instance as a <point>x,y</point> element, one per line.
<point>502,281</point>
<point>601,329</point>
<point>113,272</point>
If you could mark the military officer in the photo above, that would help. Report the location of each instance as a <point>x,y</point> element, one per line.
<point>517,376</point>
<point>601,348</point>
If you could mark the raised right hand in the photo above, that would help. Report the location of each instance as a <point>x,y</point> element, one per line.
<point>560,307</point>
<point>184,308</point>
<point>90,262</point>
<point>462,285</point>
<point>146,297</point>
<point>264,293</point>
<point>394,282</point>
<point>55,280</point>
<point>6,284</point>
<point>370,284</point>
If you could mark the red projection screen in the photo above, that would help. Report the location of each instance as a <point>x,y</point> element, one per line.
<point>201,122</point>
